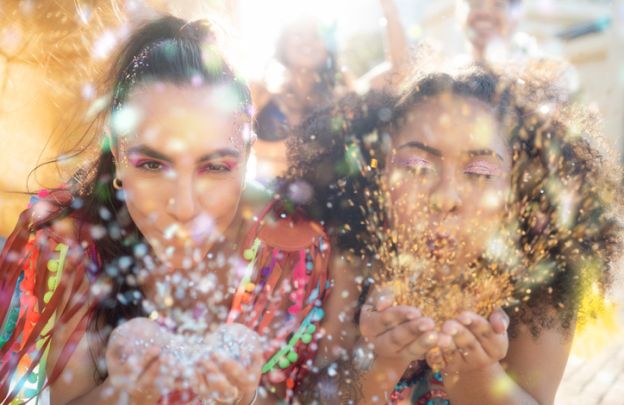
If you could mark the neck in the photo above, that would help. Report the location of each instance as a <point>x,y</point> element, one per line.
<point>302,81</point>
<point>478,53</point>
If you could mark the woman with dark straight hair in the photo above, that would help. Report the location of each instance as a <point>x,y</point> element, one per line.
<point>130,282</point>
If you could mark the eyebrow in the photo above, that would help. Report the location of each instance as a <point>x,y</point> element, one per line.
<point>219,154</point>
<point>147,151</point>
<point>422,146</point>
<point>485,152</point>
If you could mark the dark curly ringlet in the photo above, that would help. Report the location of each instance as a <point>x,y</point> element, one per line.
<point>339,152</point>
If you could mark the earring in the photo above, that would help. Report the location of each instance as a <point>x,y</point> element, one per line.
<point>117,184</point>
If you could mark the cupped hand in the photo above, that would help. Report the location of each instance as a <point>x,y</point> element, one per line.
<point>471,342</point>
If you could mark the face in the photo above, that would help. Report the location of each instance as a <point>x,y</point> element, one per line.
<point>182,163</point>
<point>448,180</point>
<point>304,47</point>
<point>487,20</point>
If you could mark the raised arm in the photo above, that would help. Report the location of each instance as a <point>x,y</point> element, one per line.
<point>391,72</point>
<point>398,44</point>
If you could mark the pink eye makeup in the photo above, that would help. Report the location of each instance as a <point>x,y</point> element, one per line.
<point>415,164</point>
<point>147,164</point>
<point>483,168</point>
<point>412,162</point>
<point>219,167</point>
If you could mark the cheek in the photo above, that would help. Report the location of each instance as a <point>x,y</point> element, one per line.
<point>409,205</point>
<point>219,200</point>
<point>486,211</point>
<point>144,203</point>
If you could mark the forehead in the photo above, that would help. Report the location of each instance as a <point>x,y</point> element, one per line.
<point>451,124</point>
<point>183,119</point>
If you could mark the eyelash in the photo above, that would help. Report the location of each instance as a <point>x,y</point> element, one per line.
<point>481,171</point>
<point>208,168</point>
<point>416,166</point>
<point>217,168</point>
<point>143,164</point>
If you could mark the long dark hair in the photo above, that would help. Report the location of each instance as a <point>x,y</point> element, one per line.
<point>334,151</point>
<point>167,49</point>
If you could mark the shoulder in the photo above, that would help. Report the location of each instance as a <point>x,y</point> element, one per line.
<point>281,225</point>
<point>260,94</point>
<point>537,361</point>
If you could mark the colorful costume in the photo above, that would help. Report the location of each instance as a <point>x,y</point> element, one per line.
<point>39,267</point>
<point>422,387</point>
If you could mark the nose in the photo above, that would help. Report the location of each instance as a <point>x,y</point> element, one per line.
<point>445,198</point>
<point>182,205</point>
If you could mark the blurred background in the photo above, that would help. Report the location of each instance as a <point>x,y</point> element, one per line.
<point>54,54</point>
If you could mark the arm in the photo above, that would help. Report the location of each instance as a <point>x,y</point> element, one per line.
<point>388,74</point>
<point>78,377</point>
<point>529,374</point>
<point>398,45</point>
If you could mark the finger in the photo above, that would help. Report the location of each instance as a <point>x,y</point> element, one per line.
<point>375,323</point>
<point>170,376</point>
<point>257,361</point>
<point>203,369</point>
<point>499,320</point>
<point>382,298</point>
<point>467,344</point>
<point>150,372</point>
<point>450,354</point>
<point>479,327</point>
<point>399,314</point>
<point>218,387</point>
<point>446,344</point>
<point>417,349</point>
<point>493,344</point>
<point>237,375</point>
<point>435,359</point>
<point>134,365</point>
<point>402,335</point>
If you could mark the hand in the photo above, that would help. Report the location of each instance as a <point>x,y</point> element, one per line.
<point>398,333</point>
<point>231,372</point>
<point>135,361</point>
<point>471,342</point>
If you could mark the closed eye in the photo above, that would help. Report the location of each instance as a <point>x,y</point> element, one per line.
<point>416,165</point>
<point>482,170</point>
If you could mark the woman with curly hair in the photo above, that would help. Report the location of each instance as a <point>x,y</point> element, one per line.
<point>477,226</point>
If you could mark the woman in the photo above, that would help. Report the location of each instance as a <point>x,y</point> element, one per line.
<point>489,23</point>
<point>463,169</point>
<point>128,284</point>
<point>313,78</point>
<point>307,50</point>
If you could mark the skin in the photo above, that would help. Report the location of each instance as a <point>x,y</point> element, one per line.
<point>449,192</point>
<point>304,52</point>
<point>434,167</point>
<point>304,47</point>
<point>485,21</point>
<point>195,155</point>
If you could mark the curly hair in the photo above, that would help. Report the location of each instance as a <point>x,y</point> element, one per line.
<point>564,194</point>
